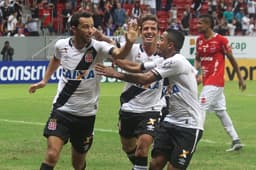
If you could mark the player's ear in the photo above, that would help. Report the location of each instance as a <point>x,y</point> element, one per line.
<point>73,29</point>
<point>170,44</point>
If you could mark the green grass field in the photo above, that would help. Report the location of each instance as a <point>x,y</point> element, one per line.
<point>22,118</point>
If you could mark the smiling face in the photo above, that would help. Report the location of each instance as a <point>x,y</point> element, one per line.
<point>149,32</point>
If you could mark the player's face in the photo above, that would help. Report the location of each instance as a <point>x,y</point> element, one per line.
<point>149,32</point>
<point>163,45</point>
<point>202,26</point>
<point>84,30</point>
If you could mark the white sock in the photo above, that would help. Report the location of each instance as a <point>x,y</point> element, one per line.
<point>227,123</point>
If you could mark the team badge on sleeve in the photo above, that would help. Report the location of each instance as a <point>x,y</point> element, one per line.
<point>52,124</point>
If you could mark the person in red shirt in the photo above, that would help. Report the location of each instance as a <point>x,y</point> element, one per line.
<point>45,14</point>
<point>211,49</point>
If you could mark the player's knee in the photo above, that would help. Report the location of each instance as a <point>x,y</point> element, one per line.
<point>52,156</point>
<point>141,151</point>
<point>220,113</point>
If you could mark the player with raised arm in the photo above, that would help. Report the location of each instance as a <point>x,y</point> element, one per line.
<point>177,135</point>
<point>211,49</point>
<point>76,102</point>
<point>140,104</point>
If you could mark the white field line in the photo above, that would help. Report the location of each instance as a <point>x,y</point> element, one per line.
<point>96,129</point>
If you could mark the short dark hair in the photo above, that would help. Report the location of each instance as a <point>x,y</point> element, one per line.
<point>75,18</point>
<point>148,17</point>
<point>176,37</point>
<point>208,19</point>
<point>6,42</point>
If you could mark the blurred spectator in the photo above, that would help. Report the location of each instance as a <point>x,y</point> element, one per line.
<point>251,8</point>
<point>238,29</point>
<point>66,14</point>
<point>136,10</point>
<point>107,15</point>
<point>175,25</point>
<point>237,5</point>
<point>7,52</point>
<point>151,4</point>
<point>212,6</point>
<point>173,13</point>
<point>7,10</point>
<point>196,6</point>
<point>232,27</point>
<point>11,24</point>
<point>245,24</point>
<point>17,5</point>
<point>97,17</point>
<point>222,27</point>
<point>109,29</point>
<point>239,15</point>
<point>32,26</point>
<point>252,28</point>
<point>185,20</point>
<point>221,7</point>
<point>20,32</point>
<point>119,15</point>
<point>45,14</point>
<point>228,14</point>
<point>146,10</point>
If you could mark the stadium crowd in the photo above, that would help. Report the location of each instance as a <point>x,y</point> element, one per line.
<point>51,17</point>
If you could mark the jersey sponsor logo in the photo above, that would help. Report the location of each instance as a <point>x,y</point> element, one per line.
<point>52,124</point>
<point>208,58</point>
<point>151,121</point>
<point>183,156</point>
<point>78,74</point>
<point>184,153</point>
<point>175,89</point>
<point>152,86</point>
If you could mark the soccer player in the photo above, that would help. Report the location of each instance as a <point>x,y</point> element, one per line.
<point>76,102</point>
<point>177,135</point>
<point>211,49</point>
<point>140,104</point>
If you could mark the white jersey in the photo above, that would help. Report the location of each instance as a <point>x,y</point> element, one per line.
<point>78,87</point>
<point>141,98</point>
<point>184,109</point>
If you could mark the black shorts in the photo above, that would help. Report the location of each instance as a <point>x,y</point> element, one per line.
<point>77,129</point>
<point>135,124</point>
<point>176,143</point>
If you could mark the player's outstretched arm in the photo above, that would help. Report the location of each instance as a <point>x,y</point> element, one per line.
<point>241,82</point>
<point>52,67</point>
<point>128,65</point>
<point>139,78</point>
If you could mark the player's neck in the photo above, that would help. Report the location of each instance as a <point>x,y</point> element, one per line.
<point>79,44</point>
<point>208,34</point>
<point>150,49</point>
<point>171,54</point>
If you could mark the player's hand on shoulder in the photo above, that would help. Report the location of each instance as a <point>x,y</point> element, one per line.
<point>34,87</point>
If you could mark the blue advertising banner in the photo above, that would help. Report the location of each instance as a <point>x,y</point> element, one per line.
<point>33,71</point>
<point>25,72</point>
